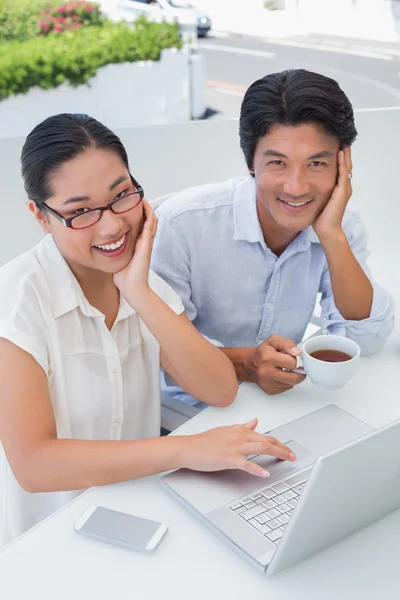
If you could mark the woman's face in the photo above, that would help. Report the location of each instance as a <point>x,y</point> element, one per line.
<point>91,180</point>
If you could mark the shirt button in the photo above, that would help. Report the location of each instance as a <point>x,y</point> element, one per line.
<point>268,305</point>
<point>114,369</point>
<point>118,419</point>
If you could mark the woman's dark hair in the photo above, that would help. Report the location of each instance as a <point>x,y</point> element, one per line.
<point>292,98</point>
<point>57,140</point>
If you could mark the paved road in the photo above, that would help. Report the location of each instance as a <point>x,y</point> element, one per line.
<point>234,62</point>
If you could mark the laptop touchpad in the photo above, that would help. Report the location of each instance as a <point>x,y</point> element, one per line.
<point>207,491</point>
<point>278,468</point>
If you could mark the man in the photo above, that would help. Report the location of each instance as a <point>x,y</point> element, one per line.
<point>249,256</point>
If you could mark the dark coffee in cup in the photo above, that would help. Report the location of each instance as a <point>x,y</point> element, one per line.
<point>331,355</point>
<point>330,361</point>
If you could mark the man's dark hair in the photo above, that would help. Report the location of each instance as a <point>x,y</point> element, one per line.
<point>294,97</point>
<point>58,140</point>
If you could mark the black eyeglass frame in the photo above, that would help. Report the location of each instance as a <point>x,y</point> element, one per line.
<point>68,222</point>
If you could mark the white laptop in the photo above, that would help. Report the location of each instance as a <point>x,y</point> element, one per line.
<point>346,476</point>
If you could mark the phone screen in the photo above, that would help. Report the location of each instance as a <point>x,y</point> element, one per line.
<point>114,525</point>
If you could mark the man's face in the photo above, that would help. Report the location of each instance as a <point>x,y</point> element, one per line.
<point>295,170</point>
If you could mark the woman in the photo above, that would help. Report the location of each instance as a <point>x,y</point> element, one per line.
<point>84,327</point>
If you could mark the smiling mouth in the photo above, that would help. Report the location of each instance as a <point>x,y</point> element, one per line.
<point>114,249</point>
<point>295,203</point>
<point>114,246</point>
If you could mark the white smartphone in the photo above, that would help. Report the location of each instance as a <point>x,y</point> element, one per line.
<point>120,528</point>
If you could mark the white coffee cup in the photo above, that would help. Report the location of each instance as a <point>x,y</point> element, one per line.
<point>329,375</point>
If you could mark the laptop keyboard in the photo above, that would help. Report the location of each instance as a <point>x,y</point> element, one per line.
<point>269,510</point>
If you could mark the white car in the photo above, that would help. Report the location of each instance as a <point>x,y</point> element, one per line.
<point>158,10</point>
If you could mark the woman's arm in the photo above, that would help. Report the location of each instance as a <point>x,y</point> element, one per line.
<point>197,366</point>
<point>43,463</point>
<point>39,460</point>
<point>200,368</point>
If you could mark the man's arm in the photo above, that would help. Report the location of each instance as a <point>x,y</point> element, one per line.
<point>363,312</point>
<point>241,360</point>
<point>351,288</point>
<point>268,365</point>
<point>352,304</point>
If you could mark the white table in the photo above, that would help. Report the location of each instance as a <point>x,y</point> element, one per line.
<point>52,561</point>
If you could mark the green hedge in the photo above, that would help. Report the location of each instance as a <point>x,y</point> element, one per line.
<point>19,19</point>
<point>75,56</point>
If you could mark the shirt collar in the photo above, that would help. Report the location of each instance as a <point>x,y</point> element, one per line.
<point>125,310</point>
<point>305,238</point>
<point>66,293</point>
<point>247,224</point>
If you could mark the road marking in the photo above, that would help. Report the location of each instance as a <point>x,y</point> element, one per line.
<point>233,89</point>
<point>363,79</point>
<point>235,50</point>
<point>326,48</point>
<point>218,34</point>
<point>366,52</point>
<point>379,85</point>
<point>223,87</point>
<point>229,92</point>
<point>226,85</point>
<point>383,108</point>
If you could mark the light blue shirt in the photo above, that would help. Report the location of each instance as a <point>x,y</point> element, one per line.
<point>210,249</point>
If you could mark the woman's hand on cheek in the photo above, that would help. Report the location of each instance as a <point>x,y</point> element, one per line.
<point>133,280</point>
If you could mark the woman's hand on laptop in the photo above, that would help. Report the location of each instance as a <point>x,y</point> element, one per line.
<point>229,448</point>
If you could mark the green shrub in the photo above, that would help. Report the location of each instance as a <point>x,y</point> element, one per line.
<point>19,19</point>
<point>75,56</point>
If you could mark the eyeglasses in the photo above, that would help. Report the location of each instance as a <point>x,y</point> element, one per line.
<point>92,216</point>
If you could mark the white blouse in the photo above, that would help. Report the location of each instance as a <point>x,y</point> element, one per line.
<point>103,384</point>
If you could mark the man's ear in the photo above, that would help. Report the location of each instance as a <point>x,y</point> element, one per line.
<point>40,216</point>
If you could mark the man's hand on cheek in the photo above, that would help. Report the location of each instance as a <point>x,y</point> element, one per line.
<point>271,364</point>
<point>328,224</point>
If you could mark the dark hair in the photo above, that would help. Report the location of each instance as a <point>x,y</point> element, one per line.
<point>294,97</point>
<point>57,140</point>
